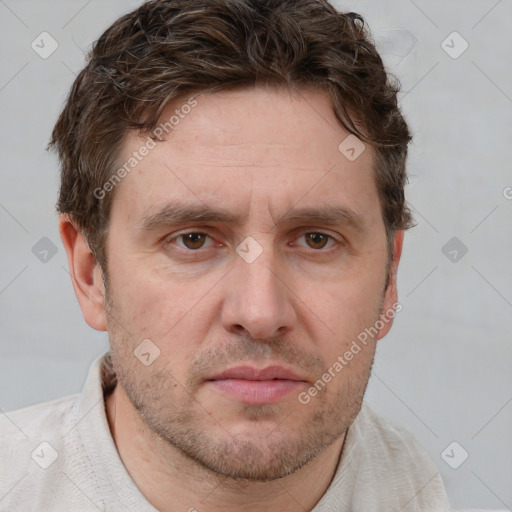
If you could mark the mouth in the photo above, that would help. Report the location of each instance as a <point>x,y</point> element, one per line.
<point>256,386</point>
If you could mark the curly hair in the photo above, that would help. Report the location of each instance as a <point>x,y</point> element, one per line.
<point>168,49</point>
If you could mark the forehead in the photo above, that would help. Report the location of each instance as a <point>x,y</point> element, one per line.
<point>234,147</point>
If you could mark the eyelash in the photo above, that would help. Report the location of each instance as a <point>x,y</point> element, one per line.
<point>331,238</point>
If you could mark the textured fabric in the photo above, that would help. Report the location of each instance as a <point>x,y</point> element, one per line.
<point>78,468</point>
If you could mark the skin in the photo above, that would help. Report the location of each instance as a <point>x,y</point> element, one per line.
<point>258,153</point>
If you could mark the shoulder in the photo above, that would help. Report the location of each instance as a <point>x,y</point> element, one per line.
<point>395,466</point>
<point>23,430</point>
<point>387,438</point>
<point>35,420</point>
<point>33,444</point>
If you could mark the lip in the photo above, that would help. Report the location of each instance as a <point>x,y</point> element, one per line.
<point>256,386</point>
<point>252,373</point>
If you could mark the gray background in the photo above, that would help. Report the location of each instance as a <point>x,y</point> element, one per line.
<point>444,370</point>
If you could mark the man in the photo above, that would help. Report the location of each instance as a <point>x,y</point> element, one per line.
<point>233,211</point>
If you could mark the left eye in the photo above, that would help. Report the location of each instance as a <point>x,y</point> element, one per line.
<point>317,240</point>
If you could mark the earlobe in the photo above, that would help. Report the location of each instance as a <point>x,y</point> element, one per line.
<point>391,293</point>
<point>86,274</point>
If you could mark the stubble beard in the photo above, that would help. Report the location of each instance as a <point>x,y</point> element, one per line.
<point>257,453</point>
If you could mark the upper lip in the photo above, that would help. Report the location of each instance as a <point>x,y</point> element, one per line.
<point>252,373</point>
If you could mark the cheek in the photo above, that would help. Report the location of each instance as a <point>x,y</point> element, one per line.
<point>145,307</point>
<point>347,306</point>
<point>346,335</point>
<point>174,314</point>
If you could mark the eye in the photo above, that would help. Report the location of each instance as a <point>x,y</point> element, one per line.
<point>192,240</point>
<point>318,240</point>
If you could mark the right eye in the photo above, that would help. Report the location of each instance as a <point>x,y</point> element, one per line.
<point>191,240</point>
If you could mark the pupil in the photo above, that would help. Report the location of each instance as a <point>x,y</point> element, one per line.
<point>194,238</point>
<point>318,238</point>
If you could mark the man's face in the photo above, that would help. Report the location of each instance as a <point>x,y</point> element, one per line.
<point>295,295</point>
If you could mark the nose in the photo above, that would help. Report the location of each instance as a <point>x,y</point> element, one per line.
<point>258,299</point>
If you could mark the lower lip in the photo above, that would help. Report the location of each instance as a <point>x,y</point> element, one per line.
<point>257,391</point>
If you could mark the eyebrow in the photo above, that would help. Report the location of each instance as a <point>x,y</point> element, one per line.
<point>174,214</point>
<point>325,214</point>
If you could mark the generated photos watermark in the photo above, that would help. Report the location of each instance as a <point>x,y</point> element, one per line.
<point>138,155</point>
<point>344,359</point>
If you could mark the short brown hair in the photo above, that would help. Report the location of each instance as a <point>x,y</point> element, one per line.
<point>167,49</point>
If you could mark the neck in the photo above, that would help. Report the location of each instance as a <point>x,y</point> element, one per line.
<point>171,481</point>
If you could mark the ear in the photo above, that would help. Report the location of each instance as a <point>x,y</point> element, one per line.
<point>389,304</point>
<point>86,274</point>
